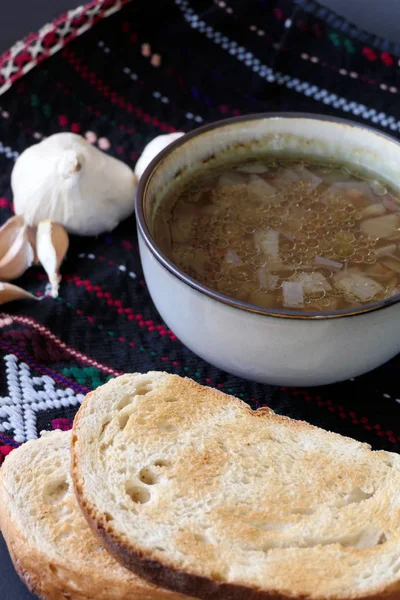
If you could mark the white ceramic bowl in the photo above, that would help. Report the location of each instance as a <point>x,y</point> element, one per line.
<point>272,346</point>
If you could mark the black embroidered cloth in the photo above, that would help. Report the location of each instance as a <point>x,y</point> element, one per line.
<point>120,73</point>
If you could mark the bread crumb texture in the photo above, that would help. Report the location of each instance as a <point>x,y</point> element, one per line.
<point>50,542</point>
<point>200,484</point>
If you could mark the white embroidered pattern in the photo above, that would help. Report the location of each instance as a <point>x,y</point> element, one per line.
<point>265,72</point>
<point>27,396</point>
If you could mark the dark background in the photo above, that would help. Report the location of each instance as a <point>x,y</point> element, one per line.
<point>20,17</point>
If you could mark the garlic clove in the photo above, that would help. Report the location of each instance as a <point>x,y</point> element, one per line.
<point>51,247</point>
<point>66,179</point>
<point>152,149</point>
<point>8,233</point>
<point>31,232</point>
<point>16,254</point>
<point>9,292</point>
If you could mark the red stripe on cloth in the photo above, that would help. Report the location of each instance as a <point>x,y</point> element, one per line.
<point>83,71</point>
<point>127,311</point>
<point>355,418</point>
<point>83,358</point>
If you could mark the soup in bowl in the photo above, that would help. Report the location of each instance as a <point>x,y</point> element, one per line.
<point>270,246</point>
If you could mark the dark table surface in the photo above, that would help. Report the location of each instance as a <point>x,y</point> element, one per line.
<point>11,587</point>
<point>23,16</point>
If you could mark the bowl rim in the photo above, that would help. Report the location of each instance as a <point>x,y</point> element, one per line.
<point>151,244</point>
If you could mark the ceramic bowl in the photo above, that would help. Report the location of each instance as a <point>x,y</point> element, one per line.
<point>281,347</point>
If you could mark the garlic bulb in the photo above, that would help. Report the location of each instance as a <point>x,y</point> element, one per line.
<point>67,180</point>
<point>64,184</point>
<point>152,149</point>
<point>51,247</point>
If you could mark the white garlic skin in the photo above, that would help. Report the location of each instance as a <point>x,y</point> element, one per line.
<point>152,149</point>
<point>66,179</point>
<point>51,247</point>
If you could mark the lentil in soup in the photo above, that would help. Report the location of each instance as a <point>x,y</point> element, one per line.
<point>285,234</point>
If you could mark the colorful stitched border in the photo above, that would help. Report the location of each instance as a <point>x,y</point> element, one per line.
<point>8,319</point>
<point>36,47</point>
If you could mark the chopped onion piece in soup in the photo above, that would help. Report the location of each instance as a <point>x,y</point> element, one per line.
<point>262,185</point>
<point>263,278</point>
<point>381,227</point>
<point>253,168</point>
<point>390,204</point>
<point>355,285</point>
<point>264,191</point>
<point>327,262</point>
<point>379,272</point>
<point>267,280</point>
<point>333,177</point>
<point>392,263</point>
<point>373,210</point>
<point>232,258</point>
<point>312,283</point>
<point>288,175</point>
<point>230,178</point>
<point>351,186</point>
<point>181,231</point>
<point>272,281</point>
<point>356,192</point>
<point>292,294</point>
<point>300,267</point>
<point>198,262</point>
<point>268,242</point>
<point>385,250</point>
<point>309,177</point>
<point>377,188</point>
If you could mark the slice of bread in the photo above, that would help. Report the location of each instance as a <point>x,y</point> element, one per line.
<point>50,543</point>
<point>191,489</point>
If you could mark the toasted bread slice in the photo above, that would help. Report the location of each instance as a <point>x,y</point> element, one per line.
<point>50,543</point>
<point>195,491</point>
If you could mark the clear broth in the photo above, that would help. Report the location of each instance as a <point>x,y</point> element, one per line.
<point>285,234</point>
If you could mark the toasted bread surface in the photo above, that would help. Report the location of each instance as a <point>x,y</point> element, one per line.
<point>50,543</point>
<point>196,492</point>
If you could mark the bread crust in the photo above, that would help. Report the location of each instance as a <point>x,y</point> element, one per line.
<point>30,565</point>
<point>166,573</point>
<point>164,576</point>
<point>190,584</point>
<point>54,577</point>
